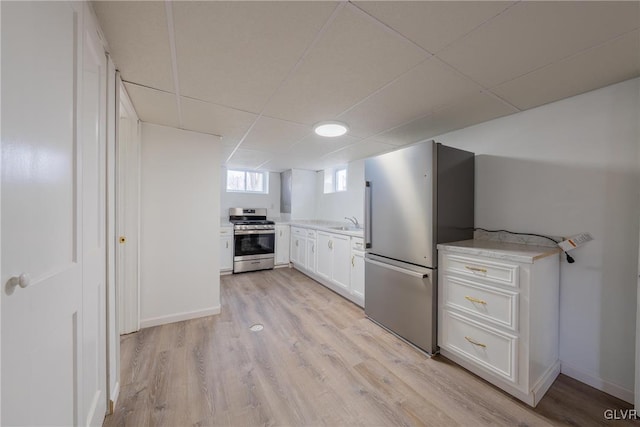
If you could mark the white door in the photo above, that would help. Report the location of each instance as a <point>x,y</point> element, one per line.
<point>41,214</point>
<point>94,248</point>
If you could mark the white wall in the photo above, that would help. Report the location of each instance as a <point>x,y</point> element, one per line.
<point>337,206</point>
<point>179,238</point>
<point>560,169</point>
<point>270,201</point>
<point>303,197</point>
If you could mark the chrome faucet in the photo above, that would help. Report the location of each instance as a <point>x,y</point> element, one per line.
<point>354,220</point>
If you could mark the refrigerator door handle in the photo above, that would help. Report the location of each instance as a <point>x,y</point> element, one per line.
<point>398,269</point>
<point>367,214</point>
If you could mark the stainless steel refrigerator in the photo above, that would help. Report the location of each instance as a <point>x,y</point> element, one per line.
<point>415,198</point>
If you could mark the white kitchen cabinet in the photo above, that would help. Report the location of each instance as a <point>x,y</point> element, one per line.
<point>357,268</point>
<point>282,244</point>
<point>311,251</point>
<point>298,247</point>
<point>226,249</point>
<point>324,255</point>
<point>336,260</point>
<point>333,258</point>
<point>498,313</point>
<point>341,269</point>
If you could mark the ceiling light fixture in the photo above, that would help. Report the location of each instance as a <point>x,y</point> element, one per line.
<point>330,129</point>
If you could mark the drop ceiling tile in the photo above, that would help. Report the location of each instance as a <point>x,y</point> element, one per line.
<point>205,117</point>
<point>237,53</point>
<point>154,106</point>
<point>433,24</point>
<point>428,87</point>
<point>249,159</point>
<point>279,164</point>
<point>359,150</point>
<point>469,111</point>
<point>138,40</point>
<point>274,135</point>
<point>533,34</point>
<point>314,146</point>
<point>355,57</point>
<point>609,63</point>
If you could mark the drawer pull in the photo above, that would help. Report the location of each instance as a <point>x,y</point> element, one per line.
<point>476,300</point>
<point>472,341</point>
<point>353,260</point>
<point>478,269</point>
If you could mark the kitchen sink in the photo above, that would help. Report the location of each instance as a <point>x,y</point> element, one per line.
<point>345,228</point>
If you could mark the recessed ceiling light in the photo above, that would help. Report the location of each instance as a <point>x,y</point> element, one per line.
<point>330,129</point>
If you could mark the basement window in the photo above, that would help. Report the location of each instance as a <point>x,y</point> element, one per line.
<point>335,179</point>
<point>243,181</point>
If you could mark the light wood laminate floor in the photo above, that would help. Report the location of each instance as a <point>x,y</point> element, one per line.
<point>318,361</point>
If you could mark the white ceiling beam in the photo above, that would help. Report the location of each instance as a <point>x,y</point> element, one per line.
<point>168,6</point>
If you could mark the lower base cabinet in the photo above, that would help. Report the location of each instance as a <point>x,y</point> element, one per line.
<point>282,244</point>
<point>357,274</point>
<point>499,312</point>
<point>341,251</point>
<point>226,249</point>
<point>298,247</point>
<point>328,258</point>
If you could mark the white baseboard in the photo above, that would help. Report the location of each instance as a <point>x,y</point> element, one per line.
<point>114,398</point>
<point>95,417</point>
<point>545,382</point>
<point>282,266</point>
<point>596,382</point>
<point>178,317</point>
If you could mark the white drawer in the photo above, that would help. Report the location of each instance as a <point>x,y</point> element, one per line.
<point>298,231</point>
<point>491,349</point>
<point>489,303</point>
<point>503,274</point>
<point>311,233</point>
<point>226,231</point>
<point>357,243</point>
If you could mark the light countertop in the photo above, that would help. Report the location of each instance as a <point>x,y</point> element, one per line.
<point>500,250</point>
<point>327,226</point>
<point>314,224</point>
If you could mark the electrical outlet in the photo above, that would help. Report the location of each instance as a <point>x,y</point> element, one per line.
<point>575,241</point>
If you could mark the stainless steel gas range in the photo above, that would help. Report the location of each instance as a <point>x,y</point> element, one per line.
<point>254,239</point>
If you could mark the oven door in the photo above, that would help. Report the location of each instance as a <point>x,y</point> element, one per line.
<point>254,244</point>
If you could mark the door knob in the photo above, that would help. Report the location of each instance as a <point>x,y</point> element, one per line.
<point>22,280</point>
